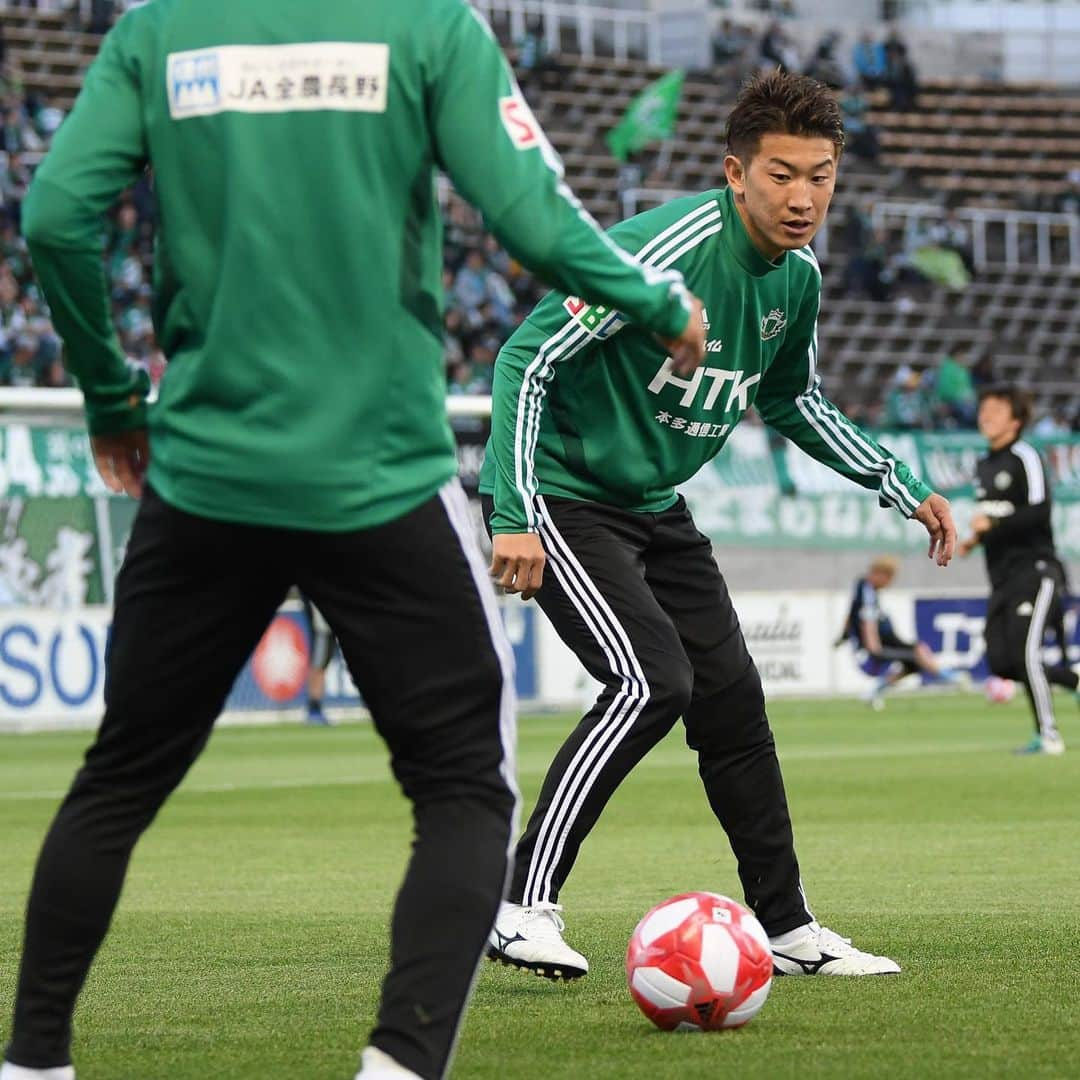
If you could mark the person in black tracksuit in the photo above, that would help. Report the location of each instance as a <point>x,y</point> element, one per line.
<point>1027,579</point>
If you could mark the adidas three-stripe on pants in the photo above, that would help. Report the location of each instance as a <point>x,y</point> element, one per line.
<point>640,600</point>
<point>1018,615</point>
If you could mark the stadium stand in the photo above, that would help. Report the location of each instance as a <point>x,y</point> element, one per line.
<point>966,143</point>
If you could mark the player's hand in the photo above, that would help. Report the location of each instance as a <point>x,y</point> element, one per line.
<point>517,563</point>
<point>967,546</point>
<point>122,460</point>
<point>935,516</point>
<point>981,524</point>
<point>688,350</point>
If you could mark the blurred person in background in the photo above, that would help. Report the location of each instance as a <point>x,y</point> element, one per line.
<point>879,651</point>
<point>982,374</point>
<point>907,404</point>
<point>12,314</point>
<point>862,135</point>
<point>1028,583</point>
<point>25,366</point>
<point>900,77</point>
<point>730,41</point>
<point>953,392</point>
<point>777,50</point>
<point>1053,423</point>
<point>823,64</point>
<point>867,269</point>
<point>868,59</point>
<point>952,234</point>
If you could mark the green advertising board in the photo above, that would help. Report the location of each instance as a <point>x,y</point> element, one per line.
<point>762,491</point>
<point>63,533</point>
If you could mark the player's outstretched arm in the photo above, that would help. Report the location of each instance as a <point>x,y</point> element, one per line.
<point>499,158</point>
<point>820,429</point>
<point>790,400</point>
<point>99,150</point>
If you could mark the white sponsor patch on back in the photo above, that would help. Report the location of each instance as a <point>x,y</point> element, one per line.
<point>345,76</point>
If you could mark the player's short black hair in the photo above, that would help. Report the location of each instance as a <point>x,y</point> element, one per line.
<point>1018,398</point>
<point>781,103</point>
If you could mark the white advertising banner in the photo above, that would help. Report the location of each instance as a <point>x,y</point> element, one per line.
<point>52,666</point>
<point>790,636</point>
<point>52,663</point>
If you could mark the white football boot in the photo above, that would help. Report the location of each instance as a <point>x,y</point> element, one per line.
<point>1049,743</point>
<point>874,697</point>
<point>531,938</point>
<point>1053,743</point>
<point>21,1072</point>
<point>815,950</point>
<point>377,1065</point>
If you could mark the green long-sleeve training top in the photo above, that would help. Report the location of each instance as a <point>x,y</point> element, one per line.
<point>298,262</point>
<point>587,407</point>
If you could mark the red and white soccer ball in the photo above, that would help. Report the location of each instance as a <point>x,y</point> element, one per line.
<point>999,690</point>
<point>699,961</point>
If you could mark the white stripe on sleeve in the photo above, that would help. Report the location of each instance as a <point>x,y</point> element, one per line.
<point>1033,470</point>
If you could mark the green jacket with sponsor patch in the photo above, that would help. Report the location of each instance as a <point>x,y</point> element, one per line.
<point>299,255</point>
<point>587,407</point>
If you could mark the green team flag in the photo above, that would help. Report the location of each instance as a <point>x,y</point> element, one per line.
<point>649,117</point>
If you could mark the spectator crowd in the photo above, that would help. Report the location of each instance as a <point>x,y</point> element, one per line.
<point>487,293</point>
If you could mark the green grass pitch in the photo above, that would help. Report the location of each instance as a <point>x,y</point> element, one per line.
<point>252,936</point>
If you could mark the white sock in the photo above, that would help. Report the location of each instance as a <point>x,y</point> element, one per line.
<point>376,1064</point>
<point>21,1072</point>
<point>781,941</point>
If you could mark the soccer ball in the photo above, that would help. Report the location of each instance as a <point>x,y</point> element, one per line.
<point>999,690</point>
<point>699,962</point>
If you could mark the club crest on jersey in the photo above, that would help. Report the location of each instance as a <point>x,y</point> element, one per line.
<point>773,324</point>
<point>1002,480</point>
<point>600,321</point>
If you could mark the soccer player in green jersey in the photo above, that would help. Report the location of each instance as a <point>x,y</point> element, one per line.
<point>300,437</point>
<point>592,430</point>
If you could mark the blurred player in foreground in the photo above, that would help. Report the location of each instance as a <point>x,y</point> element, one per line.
<point>1027,579</point>
<point>592,430</point>
<point>300,437</point>
<point>878,650</point>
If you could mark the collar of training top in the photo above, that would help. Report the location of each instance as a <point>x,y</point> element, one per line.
<point>741,246</point>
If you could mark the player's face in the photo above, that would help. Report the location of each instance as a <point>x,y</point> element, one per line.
<point>997,425</point>
<point>783,194</point>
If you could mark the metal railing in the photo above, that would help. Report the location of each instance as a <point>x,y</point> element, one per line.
<point>1039,41</point>
<point>596,31</point>
<point>1025,238</point>
<point>584,29</point>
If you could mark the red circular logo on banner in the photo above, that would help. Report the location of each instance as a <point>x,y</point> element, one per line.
<point>280,663</point>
